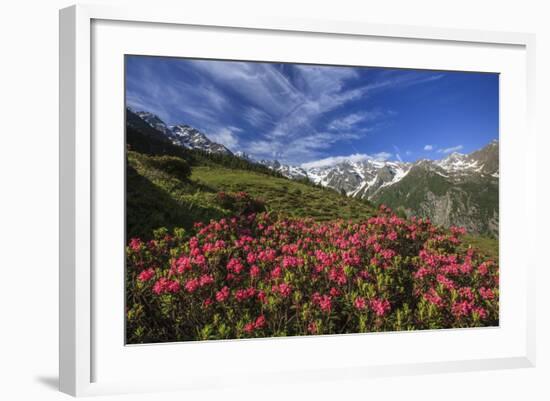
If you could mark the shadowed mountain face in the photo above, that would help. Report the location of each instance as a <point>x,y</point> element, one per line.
<point>461,189</point>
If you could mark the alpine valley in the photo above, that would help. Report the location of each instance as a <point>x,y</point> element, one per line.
<point>458,189</point>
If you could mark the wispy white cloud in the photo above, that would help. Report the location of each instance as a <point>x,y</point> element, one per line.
<point>300,121</point>
<point>451,149</point>
<point>320,91</point>
<point>262,149</point>
<point>295,149</point>
<point>282,110</point>
<point>403,80</point>
<point>322,79</point>
<point>226,137</point>
<point>261,84</point>
<point>350,121</point>
<point>327,93</point>
<point>357,157</point>
<point>172,102</point>
<point>428,147</point>
<point>256,117</point>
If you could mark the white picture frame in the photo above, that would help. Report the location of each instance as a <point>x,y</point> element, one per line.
<point>80,340</point>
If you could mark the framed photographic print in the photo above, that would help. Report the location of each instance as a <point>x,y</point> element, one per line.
<point>334,198</point>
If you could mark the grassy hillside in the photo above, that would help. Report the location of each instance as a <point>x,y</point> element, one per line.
<point>156,197</point>
<point>284,195</point>
<point>488,245</point>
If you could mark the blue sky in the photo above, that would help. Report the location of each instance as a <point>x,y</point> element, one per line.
<point>317,115</point>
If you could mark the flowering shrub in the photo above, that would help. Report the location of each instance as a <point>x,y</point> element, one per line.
<point>239,202</point>
<point>258,275</point>
<point>172,165</point>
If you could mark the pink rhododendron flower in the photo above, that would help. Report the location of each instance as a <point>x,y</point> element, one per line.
<point>387,253</point>
<point>135,244</point>
<point>482,269</point>
<point>284,289</point>
<point>260,322</point>
<point>222,294</point>
<point>466,292</point>
<point>251,257</point>
<point>206,279</point>
<point>466,267</point>
<point>183,264</point>
<point>254,271</point>
<point>276,272</point>
<point>245,293</point>
<point>249,327</point>
<point>360,303</point>
<point>193,243</point>
<point>323,301</point>
<point>446,282</point>
<point>291,261</point>
<point>421,273</point>
<point>235,266</point>
<point>146,275</point>
<point>462,308</point>
<point>337,275</point>
<point>479,311</point>
<point>199,260</point>
<point>191,285</point>
<point>159,286</point>
<point>486,293</point>
<point>173,286</point>
<point>262,296</point>
<point>434,298</point>
<point>164,285</point>
<point>379,306</point>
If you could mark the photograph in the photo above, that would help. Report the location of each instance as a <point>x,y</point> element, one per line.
<point>279,199</point>
<point>246,200</point>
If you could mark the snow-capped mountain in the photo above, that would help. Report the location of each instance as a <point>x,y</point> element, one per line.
<point>458,163</point>
<point>483,161</point>
<point>365,178</point>
<point>359,178</point>
<point>192,138</point>
<point>154,121</point>
<point>460,189</point>
<point>287,170</point>
<point>183,135</point>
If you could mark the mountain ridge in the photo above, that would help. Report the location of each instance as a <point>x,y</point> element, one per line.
<point>183,134</point>
<point>459,189</point>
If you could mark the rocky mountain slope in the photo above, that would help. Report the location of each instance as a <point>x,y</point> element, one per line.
<point>459,190</point>
<point>183,135</point>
